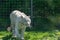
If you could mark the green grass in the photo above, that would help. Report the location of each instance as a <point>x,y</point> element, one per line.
<point>33,35</point>
<point>3,33</point>
<point>40,36</point>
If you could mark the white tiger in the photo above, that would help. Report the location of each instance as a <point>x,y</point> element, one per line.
<point>19,22</point>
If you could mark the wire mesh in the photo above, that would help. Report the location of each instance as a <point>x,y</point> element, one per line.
<point>7,6</point>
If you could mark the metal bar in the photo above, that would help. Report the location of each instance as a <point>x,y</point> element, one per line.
<point>32,11</point>
<point>31,8</point>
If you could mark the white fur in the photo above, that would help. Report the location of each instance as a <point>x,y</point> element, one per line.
<point>19,22</point>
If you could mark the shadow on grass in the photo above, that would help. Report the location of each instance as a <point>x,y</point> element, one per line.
<point>8,37</point>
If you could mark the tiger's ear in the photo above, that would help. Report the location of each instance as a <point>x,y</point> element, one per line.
<point>29,16</point>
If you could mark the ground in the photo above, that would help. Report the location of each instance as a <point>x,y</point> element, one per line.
<point>33,35</point>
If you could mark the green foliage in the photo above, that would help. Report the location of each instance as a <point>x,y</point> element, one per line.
<point>33,35</point>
